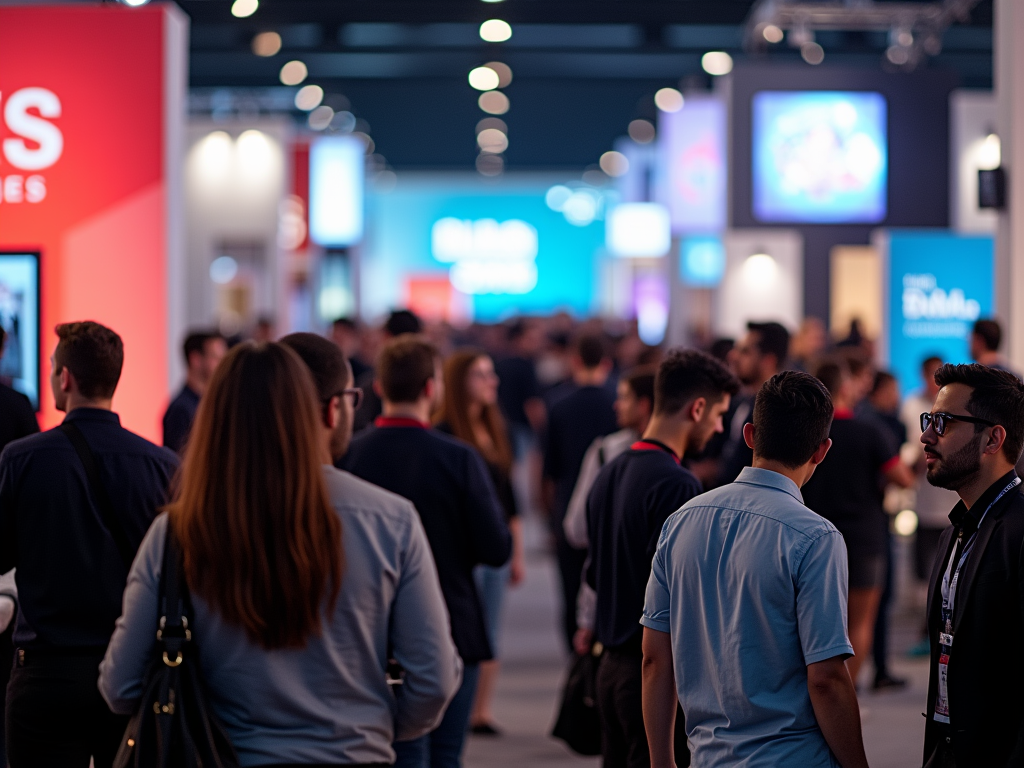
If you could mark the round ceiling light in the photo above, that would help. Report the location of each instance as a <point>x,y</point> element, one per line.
<point>293,73</point>
<point>243,9</point>
<point>669,100</point>
<point>493,102</point>
<point>716,63</point>
<point>495,31</point>
<point>266,44</point>
<point>484,79</point>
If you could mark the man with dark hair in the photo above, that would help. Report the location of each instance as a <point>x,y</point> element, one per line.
<point>586,412</point>
<point>632,497</point>
<point>847,490</point>
<point>399,323</point>
<point>758,356</point>
<point>203,352</point>
<point>745,617</point>
<point>17,420</point>
<point>986,338</point>
<point>451,488</point>
<point>75,503</point>
<point>346,332</point>
<point>973,436</point>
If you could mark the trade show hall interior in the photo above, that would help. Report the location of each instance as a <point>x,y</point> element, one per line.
<point>574,190</point>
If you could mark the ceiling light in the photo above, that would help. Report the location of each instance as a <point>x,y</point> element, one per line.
<point>484,79</point>
<point>989,154</point>
<point>293,73</point>
<point>490,165</point>
<point>492,140</point>
<point>134,3</point>
<point>614,163</point>
<point>309,97</point>
<point>266,44</point>
<point>493,102</point>
<point>244,8</point>
<point>812,53</point>
<point>642,131</point>
<point>896,54</point>
<point>320,118</point>
<point>773,34</point>
<point>495,31</point>
<point>669,100</point>
<point>716,63</point>
<point>504,72</point>
<point>491,122</point>
<point>760,270</point>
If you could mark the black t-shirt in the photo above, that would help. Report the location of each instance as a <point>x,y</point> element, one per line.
<point>632,497</point>
<point>847,487</point>
<point>517,384</point>
<point>573,424</point>
<point>501,476</point>
<point>17,419</point>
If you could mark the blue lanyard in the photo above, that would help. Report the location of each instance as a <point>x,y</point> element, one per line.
<point>951,577</point>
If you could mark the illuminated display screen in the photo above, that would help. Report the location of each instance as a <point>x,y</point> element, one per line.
<point>819,157</point>
<point>19,315</point>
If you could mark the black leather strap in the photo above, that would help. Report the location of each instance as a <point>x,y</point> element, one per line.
<point>92,472</point>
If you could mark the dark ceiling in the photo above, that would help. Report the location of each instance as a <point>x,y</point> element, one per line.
<point>582,68</point>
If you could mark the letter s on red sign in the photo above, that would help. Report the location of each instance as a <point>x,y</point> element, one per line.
<point>29,126</point>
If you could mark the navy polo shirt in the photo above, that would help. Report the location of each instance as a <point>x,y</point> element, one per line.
<point>632,497</point>
<point>70,575</point>
<point>179,417</point>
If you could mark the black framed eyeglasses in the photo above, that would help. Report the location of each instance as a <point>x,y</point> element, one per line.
<point>356,393</point>
<point>940,420</point>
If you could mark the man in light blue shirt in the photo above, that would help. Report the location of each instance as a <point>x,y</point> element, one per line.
<point>746,607</point>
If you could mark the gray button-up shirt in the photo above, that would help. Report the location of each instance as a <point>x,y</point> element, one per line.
<point>328,702</point>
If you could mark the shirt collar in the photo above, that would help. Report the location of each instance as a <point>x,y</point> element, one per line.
<point>650,444</point>
<point>399,421</point>
<point>769,479</point>
<point>93,414</point>
<point>968,518</point>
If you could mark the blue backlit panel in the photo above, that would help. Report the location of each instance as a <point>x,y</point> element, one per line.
<point>820,157</point>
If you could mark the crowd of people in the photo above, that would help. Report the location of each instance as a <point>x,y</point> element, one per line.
<point>346,515</point>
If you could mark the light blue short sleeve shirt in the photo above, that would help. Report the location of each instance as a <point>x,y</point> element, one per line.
<point>752,587</point>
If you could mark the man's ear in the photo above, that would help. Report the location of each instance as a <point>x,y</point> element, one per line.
<point>748,435</point>
<point>430,388</point>
<point>377,389</point>
<point>819,454</point>
<point>697,409</point>
<point>332,412</point>
<point>67,381</point>
<point>995,440</point>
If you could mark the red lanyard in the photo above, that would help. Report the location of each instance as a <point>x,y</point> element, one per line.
<point>654,445</point>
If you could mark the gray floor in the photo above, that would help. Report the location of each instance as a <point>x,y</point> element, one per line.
<point>534,668</point>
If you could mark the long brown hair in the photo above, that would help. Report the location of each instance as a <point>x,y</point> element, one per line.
<point>261,542</point>
<point>455,411</point>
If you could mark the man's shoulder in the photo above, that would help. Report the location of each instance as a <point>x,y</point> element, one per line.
<point>428,442</point>
<point>51,439</point>
<point>347,491</point>
<point>12,398</point>
<point>185,401</point>
<point>770,504</point>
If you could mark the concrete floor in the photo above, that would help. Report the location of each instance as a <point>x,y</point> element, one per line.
<point>534,669</point>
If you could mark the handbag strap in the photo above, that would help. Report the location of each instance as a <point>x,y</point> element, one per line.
<point>173,631</point>
<point>106,507</point>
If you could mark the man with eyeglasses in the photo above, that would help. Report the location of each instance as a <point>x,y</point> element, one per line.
<point>973,437</point>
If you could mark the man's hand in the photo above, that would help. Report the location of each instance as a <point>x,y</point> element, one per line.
<point>6,612</point>
<point>835,707</point>
<point>583,641</point>
<point>660,698</point>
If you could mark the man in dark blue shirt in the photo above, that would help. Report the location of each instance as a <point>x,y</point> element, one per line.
<point>575,421</point>
<point>75,503</point>
<point>632,497</point>
<point>449,484</point>
<point>203,352</point>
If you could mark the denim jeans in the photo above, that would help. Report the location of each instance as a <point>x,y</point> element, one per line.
<point>491,584</point>
<point>442,747</point>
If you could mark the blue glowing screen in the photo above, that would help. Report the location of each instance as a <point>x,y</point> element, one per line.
<point>819,157</point>
<point>702,260</point>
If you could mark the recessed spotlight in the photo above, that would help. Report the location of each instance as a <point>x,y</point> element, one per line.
<point>493,30</point>
<point>772,33</point>
<point>669,100</point>
<point>293,73</point>
<point>504,72</point>
<point>484,79</point>
<point>493,102</point>
<point>266,44</point>
<point>716,63</point>
<point>244,8</point>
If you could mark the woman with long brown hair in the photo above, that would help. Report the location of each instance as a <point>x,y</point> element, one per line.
<point>301,576</point>
<point>470,412</point>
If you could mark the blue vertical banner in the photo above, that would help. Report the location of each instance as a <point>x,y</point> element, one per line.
<point>939,284</point>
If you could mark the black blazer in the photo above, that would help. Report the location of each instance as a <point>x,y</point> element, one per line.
<point>986,668</point>
<point>449,484</point>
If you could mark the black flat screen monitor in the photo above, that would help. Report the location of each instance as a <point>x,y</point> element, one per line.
<point>19,316</point>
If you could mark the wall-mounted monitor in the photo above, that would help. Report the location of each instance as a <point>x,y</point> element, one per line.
<point>819,157</point>
<point>19,316</point>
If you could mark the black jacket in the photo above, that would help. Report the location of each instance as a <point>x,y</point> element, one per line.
<point>986,666</point>
<point>449,484</point>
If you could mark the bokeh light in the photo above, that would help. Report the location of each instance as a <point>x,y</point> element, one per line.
<point>293,73</point>
<point>484,79</point>
<point>495,31</point>
<point>716,63</point>
<point>243,9</point>
<point>642,131</point>
<point>668,100</point>
<point>493,102</point>
<point>266,44</point>
<point>504,72</point>
<point>614,163</point>
<point>309,97</point>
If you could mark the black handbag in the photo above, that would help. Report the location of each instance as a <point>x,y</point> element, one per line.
<point>174,726</point>
<point>578,724</point>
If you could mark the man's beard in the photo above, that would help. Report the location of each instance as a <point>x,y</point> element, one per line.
<point>340,439</point>
<point>955,470</point>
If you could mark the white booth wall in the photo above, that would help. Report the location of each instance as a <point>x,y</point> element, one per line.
<point>236,176</point>
<point>756,289</point>
<point>972,118</point>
